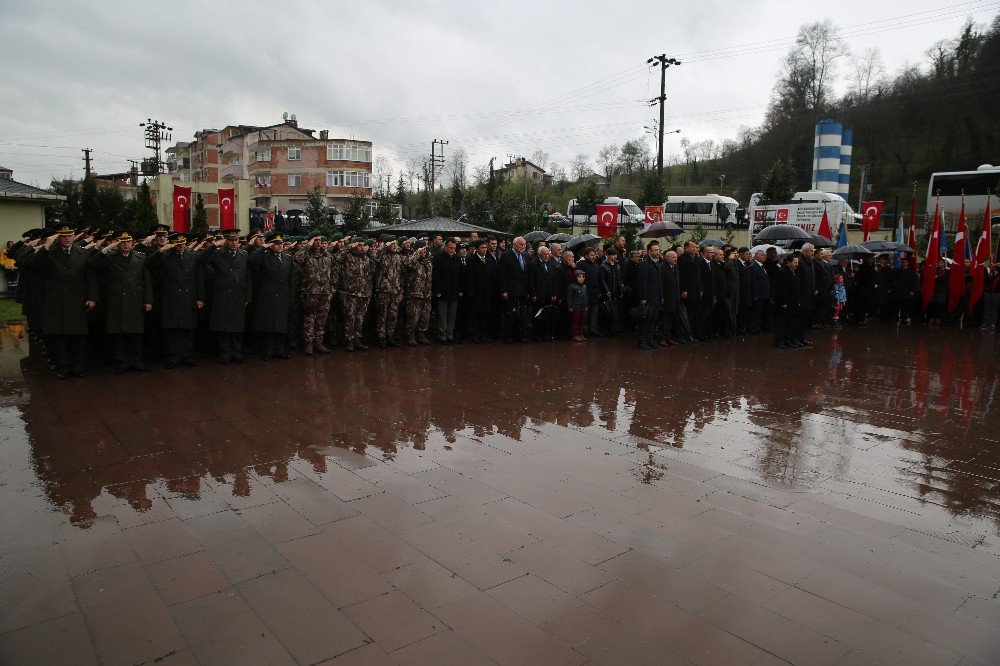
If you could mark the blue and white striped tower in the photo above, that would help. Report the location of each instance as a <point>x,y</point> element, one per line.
<point>846,148</point>
<point>826,156</point>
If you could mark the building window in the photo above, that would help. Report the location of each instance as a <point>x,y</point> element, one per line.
<point>294,180</point>
<point>263,180</point>
<point>294,153</point>
<point>264,155</point>
<point>348,179</point>
<point>354,152</point>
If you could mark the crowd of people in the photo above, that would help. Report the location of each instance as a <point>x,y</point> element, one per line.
<point>169,294</point>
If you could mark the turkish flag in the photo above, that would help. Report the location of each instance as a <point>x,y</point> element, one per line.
<point>654,214</point>
<point>227,208</point>
<point>930,260</point>
<point>824,227</point>
<point>781,215</point>
<point>182,208</point>
<point>912,241</point>
<point>956,276</point>
<point>980,259</point>
<point>607,221</point>
<point>871,212</point>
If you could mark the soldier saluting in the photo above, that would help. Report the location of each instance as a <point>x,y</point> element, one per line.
<point>389,289</point>
<point>275,292</point>
<point>316,286</point>
<point>129,297</point>
<point>355,287</point>
<point>70,289</point>
<point>182,295</point>
<point>228,268</point>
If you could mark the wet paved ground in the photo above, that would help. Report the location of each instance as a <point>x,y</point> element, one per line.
<point>714,504</point>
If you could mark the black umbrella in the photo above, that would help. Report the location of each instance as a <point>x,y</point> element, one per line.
<point>777,232</point>
<point>886,246</point>
<point>852,252</point>
<point>294,211</point>
<point>661,228</point>
<point>559,238</point>
<point>535,236</point>
<point>582,239</point>
<point>714,242</point>
<point>818,242</point>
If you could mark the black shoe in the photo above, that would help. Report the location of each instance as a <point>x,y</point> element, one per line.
<point>140,367</point>
<point>646,346</point>
<point>392,343</point>
<point>284,355</point>
<point>782,345</point>
<point>188,362</point>
<point>62,374</point>
<point>121,368</point>
<point>225,360</point>
<point>360,345</point>
<point>382,343</point>
<point>78,374</point>
<point>171,365</point>
<point>455,341</point>
<point>239,359</point>
<point>265,357</point>
<point>655,345</point>
<point>805,343</point>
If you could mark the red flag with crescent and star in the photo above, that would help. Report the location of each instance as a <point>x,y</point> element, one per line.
<point>824,226</point>
<point>981,259</point>
<point>871,212</point>
<point>607,221</point>
<point>654,214</point>
<point>956,275</point>
<point>931,259</point>
<point>182,206</point>
<point>227,208</point>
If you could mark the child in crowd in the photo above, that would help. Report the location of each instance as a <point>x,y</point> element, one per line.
<point>576,302</point>
<point>839,298</point>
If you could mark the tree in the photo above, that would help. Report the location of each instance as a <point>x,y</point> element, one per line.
<point>401,191</point>
<point>631,155</point>
<point>808,72</point>
<point>458,167</point>
<point>424,209</point>
<point>477,208</point>
<point>381,175</point>
<point>607,159</point>
<point>699,233</point>
<point>114,209</point>
<point>145,210</point>
<point>580,167</point>
<point>867,75</point>
<point>316,208</point>
<point>90,209</point>
<point>457,198</point>
<point>778,185</point>
<point>588,197</point>
<point>540,158</point>
<point>653,191</point>
<point>199,218</point>
<point>356,215</point>
<point>68,211</point>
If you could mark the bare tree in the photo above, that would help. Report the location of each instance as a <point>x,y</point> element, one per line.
<point>808,72</point>
<point>458,167</point>
<point>540,158</point>
<point>382,175</point>
<point>414,171</point>
<point>607,159</point>
<point>580,166</point>
<point>867,74</point>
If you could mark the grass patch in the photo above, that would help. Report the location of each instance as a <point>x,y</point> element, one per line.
<point>10,310</point>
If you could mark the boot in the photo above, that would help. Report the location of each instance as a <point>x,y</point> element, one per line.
<point>381,343</point>
<point>412,341</point>
<point>391,342</point>
<point>349,347</point>
<point>321,349</point>
<point>360,344</point>
<point>422,338</point>
<point>308,349</point>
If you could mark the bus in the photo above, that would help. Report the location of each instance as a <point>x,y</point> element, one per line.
<point>947,188</point>
<point>628,212</point>
<point>709,210</point>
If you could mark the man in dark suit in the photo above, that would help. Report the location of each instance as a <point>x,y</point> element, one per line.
<point>446,277</point>
<point>689,270</point>
<point>650,286</point>
<point>493,256</point>
<point>760,292</point>
<point>671,329</point>
<point>706,305</point>
<point>787,297</point>
<point>229,270</point>
<point>545,286</point>
<point>483,286</point>
<point>514,291</point>
<point>807,287</point>
<point>743,309</point>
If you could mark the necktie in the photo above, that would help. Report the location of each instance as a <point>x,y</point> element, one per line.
<point>520,260</point>
<point>545,267</point>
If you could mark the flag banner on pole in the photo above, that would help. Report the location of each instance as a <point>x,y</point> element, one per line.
<point>227,208</point>
<point>842,236</point>
<point>956,275</point>
<point>930,260</point>
<point>980,259</point>
<point>824,226</point>
<point>654,214</point>
<point>912,241</point>
<point>607,221</point>
<point>898,256</point>
<point>871,217</point>
<point>182,206</point>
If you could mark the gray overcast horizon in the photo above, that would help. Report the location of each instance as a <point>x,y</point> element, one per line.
<point>493,79</point>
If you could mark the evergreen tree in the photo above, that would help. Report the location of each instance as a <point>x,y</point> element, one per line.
<point>145,211</point>
<point>356,216</point>
<point>316,208</point>
<point>199,219</point>
<point>588,197</point>
<point>457,199</point>
<point>653,191</point>
<point>778,185</point>
<point>90,209</point>
<point>401,192</point>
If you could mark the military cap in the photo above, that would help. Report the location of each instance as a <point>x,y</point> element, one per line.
<point>107,233</point>
<point>178,238</point>
<point>273,237</point>
<point>461,246</point>
<point>229,234</point>
<point>388,238</point>
<point>419,244</point>
<point>336,236</point>
<point>161,230</point>
<point>314,233</point>
<point>122,236</point>
<point>65,230</point>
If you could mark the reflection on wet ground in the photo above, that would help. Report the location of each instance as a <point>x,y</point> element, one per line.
<point>721,503</point>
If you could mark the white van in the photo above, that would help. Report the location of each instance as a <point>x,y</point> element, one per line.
<point>628,212</point>
<point>709,210</point>
<point>805,210</point>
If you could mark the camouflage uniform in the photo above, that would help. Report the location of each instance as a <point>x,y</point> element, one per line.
<point>389,287</point>
<point>355,287</point>
<point>418,296</point>
<point>335,317</point>
<point>315,269</point>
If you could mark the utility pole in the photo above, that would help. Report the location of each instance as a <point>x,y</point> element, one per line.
<point>662,61</point>
<point>154,133</point>
<point>86,160</point>
<point>436,161</point>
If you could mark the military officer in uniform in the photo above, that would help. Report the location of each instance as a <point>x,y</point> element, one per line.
<point>129,289</point>
<point>228,268</point>
<point>275,293</point>
<point>315,273</point>
<point>418,294</point>
<point>175,267</point>
<point>355,287</point>
<point>70,291</point>
<point>388,289</point>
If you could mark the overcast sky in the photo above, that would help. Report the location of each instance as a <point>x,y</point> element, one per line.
<point>493,78</point>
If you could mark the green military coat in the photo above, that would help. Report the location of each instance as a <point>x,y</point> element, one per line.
<point>68,282</point>
<point>275,292</point>
<point>230,288</point>
<point>128,285</point>
<point>180,287</point>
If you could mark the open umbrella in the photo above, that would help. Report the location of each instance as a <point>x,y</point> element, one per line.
<point>661,228</point>
<point>777,232</point>
<point>294,211</point>
<point>559,238</point>
<point>535,236</point>
<point>765,247</point>
<point>818,242</point>
<point>582,239</point>
<point>886,246</point>
<point>852,252</point>
<point>714,242</point>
